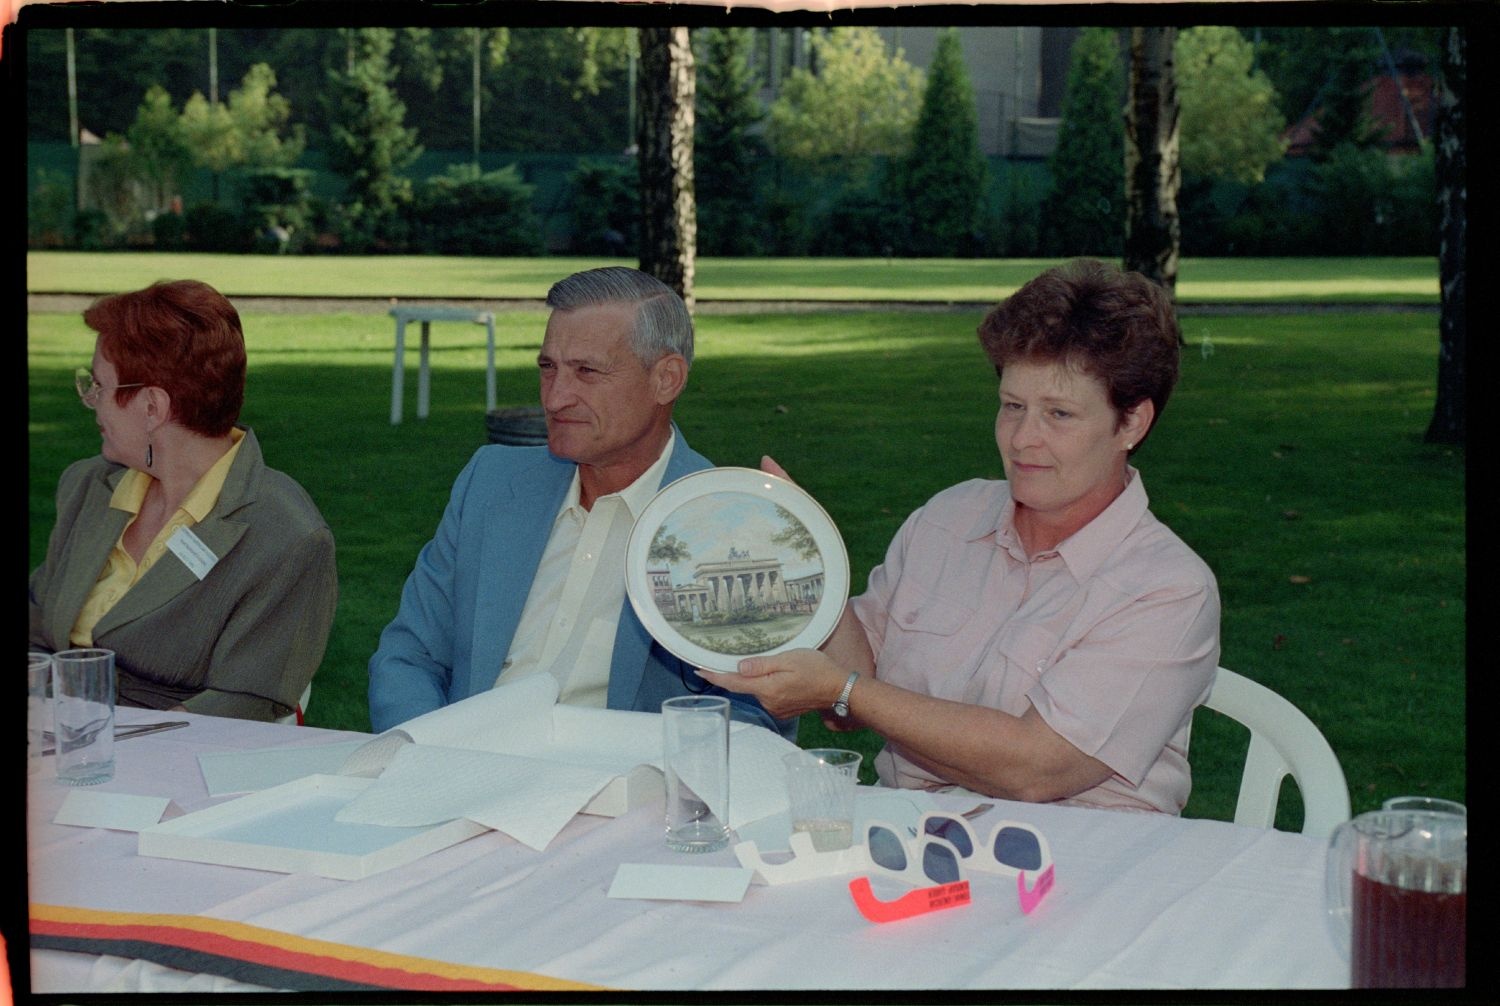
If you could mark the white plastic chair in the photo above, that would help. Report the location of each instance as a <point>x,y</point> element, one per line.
<point>1283,741</point>
<point>294,718</point>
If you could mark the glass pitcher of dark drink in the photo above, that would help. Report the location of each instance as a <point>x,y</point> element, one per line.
<point>1397,884</point>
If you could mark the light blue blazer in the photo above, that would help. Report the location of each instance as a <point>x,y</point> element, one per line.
<point>463,600</point>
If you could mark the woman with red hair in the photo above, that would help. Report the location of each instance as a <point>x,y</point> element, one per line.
<point>209,574</point>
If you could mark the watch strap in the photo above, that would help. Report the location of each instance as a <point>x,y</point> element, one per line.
<point>841,704</point>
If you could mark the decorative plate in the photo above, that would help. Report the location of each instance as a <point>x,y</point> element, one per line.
<point>733,562</point>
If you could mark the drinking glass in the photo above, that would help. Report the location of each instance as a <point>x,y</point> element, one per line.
<point>695,755</point>
<point>820,786</point>
<point>38,683</point>
<point>83,715</point>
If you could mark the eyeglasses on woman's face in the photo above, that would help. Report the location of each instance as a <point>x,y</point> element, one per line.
<point>89,389</point>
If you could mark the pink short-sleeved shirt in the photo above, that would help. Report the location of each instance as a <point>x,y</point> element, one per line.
<point>1113,635</point>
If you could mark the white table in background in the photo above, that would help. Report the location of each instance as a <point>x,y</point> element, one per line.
<point>1141,901</point>
<point>427,314</point>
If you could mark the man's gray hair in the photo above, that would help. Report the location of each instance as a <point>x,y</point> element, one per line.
<point>662,322</point>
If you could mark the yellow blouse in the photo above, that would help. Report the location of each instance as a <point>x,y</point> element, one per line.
<point>121,572</point>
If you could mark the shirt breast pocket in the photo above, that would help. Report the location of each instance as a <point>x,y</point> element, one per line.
<point>1027,648</point>
<point>920,611</point>
<point>924,642</point>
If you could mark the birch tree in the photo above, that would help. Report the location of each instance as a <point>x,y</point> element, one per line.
<point>1153,169</point>
<point>669,230</point>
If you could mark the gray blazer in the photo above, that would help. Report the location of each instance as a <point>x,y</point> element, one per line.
<point>245,640</point>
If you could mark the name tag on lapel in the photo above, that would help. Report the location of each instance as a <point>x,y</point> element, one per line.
<point>195,555</point>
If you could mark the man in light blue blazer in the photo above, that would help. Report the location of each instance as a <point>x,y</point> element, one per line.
<point>525,574</point>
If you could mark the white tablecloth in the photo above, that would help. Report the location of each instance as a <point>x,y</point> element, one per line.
<point>1141,901</point>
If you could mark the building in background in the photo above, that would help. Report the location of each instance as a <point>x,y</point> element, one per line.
<point>1401,105</point>
<point>1018,74</point>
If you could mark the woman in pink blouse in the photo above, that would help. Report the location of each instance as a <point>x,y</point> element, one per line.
<point>1042,638</point>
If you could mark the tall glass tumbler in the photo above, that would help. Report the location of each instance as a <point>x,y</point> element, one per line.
<point>38,685</point>
<point>83,715</point>
<point>695,755</point>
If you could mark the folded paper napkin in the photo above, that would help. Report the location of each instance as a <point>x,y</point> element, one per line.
<point>514,760</point>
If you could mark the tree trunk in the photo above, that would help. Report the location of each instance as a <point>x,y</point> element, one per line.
<point>1153,171</point>
<point>664,135</point>
<point>1451,166</point>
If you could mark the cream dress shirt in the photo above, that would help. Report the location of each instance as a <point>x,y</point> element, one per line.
<point>567,628</point>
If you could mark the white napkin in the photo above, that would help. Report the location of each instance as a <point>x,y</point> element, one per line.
<point>514,760</point>
<point>528,799</point>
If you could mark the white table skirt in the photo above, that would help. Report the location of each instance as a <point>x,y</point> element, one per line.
<point>1141,901</point>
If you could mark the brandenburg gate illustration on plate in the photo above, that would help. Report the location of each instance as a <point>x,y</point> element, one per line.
<point>736,583</point>
<point>735,574</point>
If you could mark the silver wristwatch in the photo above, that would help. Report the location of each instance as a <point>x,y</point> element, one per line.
<point>841,704</point>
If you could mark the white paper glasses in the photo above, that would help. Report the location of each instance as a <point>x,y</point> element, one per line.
<point>1012,848</point>
<point>932,857</point>
<point>920,861</point>
<point>945,846</point>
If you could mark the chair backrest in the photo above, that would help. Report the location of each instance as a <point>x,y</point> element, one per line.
<point>1283,741</point>
<point>294,718</point>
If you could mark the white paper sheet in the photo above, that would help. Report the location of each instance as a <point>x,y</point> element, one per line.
<point>559,758</point>
<point>606,737</point>
<point>528,799</point>
<point>252,771</point>
<point>662,882</point>
<point>294,828</point>
<point>514,718</point>
<point>511,759</point>
<point>757,777</point>
<point>116,811</point>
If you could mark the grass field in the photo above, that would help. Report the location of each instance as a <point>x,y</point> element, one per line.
<point>1290,458</point>
<point>1324,280</point>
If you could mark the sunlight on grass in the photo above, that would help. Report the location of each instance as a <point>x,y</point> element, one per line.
<point>1341,289</point>
<point>980,281</point>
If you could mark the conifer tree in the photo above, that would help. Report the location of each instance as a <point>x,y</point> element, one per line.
<point>726,153</point>
<point>1084,212</point>
<point>945,173</point>
<point>369,143</point>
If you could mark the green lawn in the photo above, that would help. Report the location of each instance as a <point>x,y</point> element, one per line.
<point>1291,458</point>
<point>1326,280</point>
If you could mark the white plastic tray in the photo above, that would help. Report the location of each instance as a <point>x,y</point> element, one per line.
<point>291,829</point>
